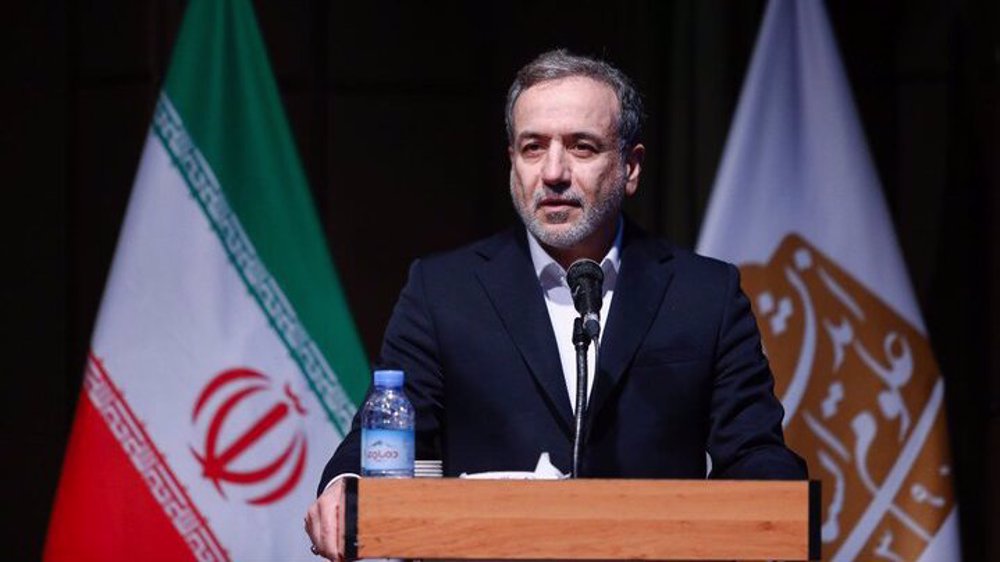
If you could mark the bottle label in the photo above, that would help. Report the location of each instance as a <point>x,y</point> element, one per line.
<point>386,449</point>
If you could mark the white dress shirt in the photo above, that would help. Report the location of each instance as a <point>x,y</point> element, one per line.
<point>559,301</point>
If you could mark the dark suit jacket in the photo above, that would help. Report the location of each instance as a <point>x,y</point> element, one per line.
<point>680,369</point>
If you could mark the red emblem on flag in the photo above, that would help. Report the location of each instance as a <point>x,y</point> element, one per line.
<point>238,436</point>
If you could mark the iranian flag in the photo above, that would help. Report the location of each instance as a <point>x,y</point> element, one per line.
<point>798,206</point>
<point>224,367</point>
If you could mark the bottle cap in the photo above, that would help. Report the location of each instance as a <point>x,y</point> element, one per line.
<point>389,378</point>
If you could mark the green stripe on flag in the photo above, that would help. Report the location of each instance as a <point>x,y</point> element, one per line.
<point>204,187</point>
<point>221,85</point>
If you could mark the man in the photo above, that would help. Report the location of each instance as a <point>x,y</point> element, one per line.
<point>484,332</point>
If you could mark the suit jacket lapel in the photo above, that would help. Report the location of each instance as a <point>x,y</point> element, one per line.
<point>509,279</point>
<point>642,282</point>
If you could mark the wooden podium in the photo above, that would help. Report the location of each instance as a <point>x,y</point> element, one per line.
<point>582,519</point>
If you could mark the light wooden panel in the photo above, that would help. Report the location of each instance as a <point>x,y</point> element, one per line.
<point>583,519</point>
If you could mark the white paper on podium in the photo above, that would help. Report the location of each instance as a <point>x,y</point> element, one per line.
<point>544,470</point>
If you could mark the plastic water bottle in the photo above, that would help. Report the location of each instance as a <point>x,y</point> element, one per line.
<point>387,429</point>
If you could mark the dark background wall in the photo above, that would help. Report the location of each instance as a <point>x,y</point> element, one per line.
<point>397,109</point>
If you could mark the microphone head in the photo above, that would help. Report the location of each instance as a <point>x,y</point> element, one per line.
<point>586,283</point>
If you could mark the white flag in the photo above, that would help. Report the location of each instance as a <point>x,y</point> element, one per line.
<point>798,206</point>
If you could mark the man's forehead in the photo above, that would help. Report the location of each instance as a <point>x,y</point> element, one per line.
<point>604,92</point>
<point>582,133</point>
<point>580,94</point>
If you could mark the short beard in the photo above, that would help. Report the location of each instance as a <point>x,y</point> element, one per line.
<point>593,217</point>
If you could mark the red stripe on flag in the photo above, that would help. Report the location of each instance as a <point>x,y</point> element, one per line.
<point>111,506</point>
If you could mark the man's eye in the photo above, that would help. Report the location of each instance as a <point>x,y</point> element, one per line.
<point>585,148</point>
<point>531,148</point>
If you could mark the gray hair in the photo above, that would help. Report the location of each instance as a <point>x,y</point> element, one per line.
<point>560,63</point>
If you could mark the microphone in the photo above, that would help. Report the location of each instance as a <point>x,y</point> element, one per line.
<point>586,283</point>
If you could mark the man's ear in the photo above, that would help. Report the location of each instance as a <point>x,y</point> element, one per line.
<point>633,167</point>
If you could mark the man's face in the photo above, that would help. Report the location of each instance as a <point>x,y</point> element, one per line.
<point>567,176</point>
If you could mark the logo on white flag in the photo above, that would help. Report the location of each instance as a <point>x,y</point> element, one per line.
<point>862,397</point>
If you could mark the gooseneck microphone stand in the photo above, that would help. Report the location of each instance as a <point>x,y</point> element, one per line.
<point>585,279</point>
<point>580,342</point>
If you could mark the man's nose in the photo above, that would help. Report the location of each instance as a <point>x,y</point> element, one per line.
<point>556,168</point>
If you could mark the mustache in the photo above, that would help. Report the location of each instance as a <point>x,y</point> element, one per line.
<point>548,196</point>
